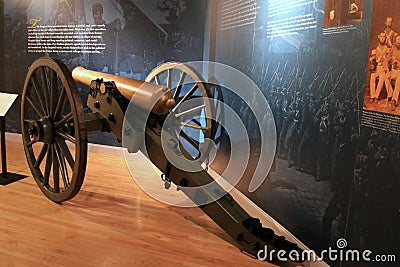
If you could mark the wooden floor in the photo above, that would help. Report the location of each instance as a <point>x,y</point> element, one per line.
<point>111,222</point>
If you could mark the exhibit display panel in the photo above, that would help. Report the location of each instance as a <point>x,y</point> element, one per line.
<point>335,173</point>
<point>126,38</point>
<point>319,104</point>
<point>337,151</point>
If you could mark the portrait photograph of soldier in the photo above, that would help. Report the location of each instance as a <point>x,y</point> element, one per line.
<point>342,12</point>
<point>382,85</point>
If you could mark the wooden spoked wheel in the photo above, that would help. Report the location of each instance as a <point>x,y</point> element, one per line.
<point>187,84</point>
<point>53,129</point>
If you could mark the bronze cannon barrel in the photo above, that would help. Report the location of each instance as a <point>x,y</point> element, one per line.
<point>148,96</point>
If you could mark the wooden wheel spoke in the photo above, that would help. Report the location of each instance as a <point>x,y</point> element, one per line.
<point>39,94</point>
<point>29,121</point>
<point>179,86</point>
<point>157,79</point>
<point>62,165</point>
<point>53,91</point>
<point>169,78</point>
<point>56,171</point>
<point>41,156</point>
<point>66,152</point>
<point>49,162</point>
<point>188,87</point>
<point>186,97</point>
<point>193,126</point>
<point>34,106</point>
<point>64,120</point>
<point>46,90</point>
<point>60,104</point>
<point>190,140</point>
<point>197,122</point>
<point>192,110</point>
<point>30,143</point>
<point>66,136</point>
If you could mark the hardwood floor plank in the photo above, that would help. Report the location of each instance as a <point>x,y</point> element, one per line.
<point>111,222</point>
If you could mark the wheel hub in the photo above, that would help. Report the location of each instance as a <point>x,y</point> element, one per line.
<point>42,130</point>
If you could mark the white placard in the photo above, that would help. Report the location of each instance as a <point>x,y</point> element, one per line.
<point>6,101</point>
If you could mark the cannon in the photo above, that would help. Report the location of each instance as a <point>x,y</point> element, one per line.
<point>53,117</point>
<point>54,128</point>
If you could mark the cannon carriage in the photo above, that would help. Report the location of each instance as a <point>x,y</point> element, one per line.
<point>54,131</point>
<point>54,124</point>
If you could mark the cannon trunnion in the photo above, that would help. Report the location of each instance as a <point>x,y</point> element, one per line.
<point>54,131</point>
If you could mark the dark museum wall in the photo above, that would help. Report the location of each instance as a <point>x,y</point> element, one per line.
<point>139,36</point>
<point>337,161</point>
<point>336,170</point>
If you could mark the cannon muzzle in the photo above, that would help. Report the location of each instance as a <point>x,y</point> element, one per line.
<point>145,94</point>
